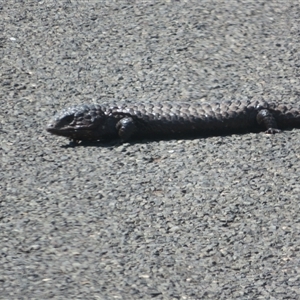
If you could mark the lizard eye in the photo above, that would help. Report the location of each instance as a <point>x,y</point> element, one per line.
<point>68,119</point>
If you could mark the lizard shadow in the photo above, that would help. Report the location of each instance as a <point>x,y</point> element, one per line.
<point>117,142</point>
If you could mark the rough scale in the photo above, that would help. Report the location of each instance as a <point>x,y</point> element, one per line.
<point>101,122</point>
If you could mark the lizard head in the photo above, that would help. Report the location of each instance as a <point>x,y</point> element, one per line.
<point>78,123</point>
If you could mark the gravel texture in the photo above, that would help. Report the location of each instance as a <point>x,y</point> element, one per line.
<point>213,218</point>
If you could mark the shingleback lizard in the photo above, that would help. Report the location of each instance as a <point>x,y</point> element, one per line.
<point>97,122</point>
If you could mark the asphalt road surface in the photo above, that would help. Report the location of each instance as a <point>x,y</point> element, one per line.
<point>203,218</point>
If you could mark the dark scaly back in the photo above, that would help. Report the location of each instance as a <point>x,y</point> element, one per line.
<point>169,118</point>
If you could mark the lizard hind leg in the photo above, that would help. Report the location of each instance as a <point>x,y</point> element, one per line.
<point>265,117</point>
<point>126,128</point>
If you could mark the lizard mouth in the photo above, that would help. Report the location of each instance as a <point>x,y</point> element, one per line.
<point>80,134</point>
<point>61,131</point>
<point>51,128</point>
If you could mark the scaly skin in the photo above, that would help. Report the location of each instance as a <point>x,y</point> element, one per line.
<point>97,122</point>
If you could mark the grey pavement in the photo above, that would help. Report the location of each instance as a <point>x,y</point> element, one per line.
<point>203,218</point>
